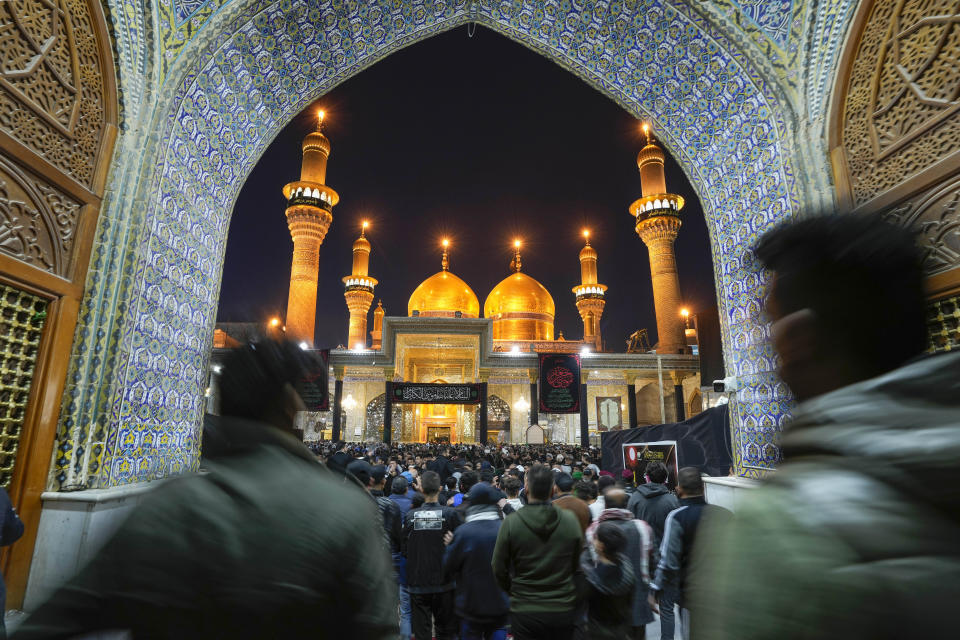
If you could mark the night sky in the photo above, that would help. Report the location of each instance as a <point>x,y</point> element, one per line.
<point>481,140</point>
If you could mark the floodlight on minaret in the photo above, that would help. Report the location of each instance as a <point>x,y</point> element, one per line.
<point>309,214</point>
<point>590,294</point>
<point>657,216</point>
<point>359,290</point>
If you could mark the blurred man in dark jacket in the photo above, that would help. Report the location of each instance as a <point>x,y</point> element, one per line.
<point>480,603</point>
<point>11,528</point>
<point>856,534</point>
<point>610,584</point>
<point>263,546</point>
<point>638,547</point>
<point>431,592</point>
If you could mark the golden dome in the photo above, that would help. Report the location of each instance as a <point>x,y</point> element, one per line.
<point>521,309</point>
<point>650,153</point>
<point>361,244</point>
<point>442,295</point>
<point>316,140</point>
<point>588,252</point>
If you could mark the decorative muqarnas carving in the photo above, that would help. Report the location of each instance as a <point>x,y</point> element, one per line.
<point>37,222</point>
<point>900,114</point>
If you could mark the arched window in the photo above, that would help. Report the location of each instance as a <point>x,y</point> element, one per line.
<point>373,429</point>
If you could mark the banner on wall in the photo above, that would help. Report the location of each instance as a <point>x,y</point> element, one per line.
<point>559,383</point>
<point>314,387</point>
<point>637,455</point>
<point>436,393</point>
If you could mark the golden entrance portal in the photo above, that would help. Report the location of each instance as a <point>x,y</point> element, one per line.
<point>443,423</point>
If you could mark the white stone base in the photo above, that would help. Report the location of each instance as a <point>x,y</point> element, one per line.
<point>73,526</point>
<point>728,492</point>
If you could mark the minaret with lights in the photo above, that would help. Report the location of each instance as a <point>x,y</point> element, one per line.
<point>359,290</point>
<point>376,336</point>
<point>658,221</point>
<point>309,213</point>
<point>590,295</point>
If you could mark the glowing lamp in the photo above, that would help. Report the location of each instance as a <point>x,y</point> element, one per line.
<point>274,322</point>
<point>304,346</point>
<point>446,243</point>
<point>521,405</point>
<point>516,243</point>
<point>349,403</point>
<point>685,313</point>
<point>320,115</point>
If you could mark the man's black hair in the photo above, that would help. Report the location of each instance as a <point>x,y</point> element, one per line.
<point>467,480</point>
<point>253,378</point>
<point>430,482</point>
<point>564,482</point>
<point>511,485</point>
<point>399,485</point>
<point>585,490</point>
<point>487,476</point>
<point>691,481</point>
<point>540,482</point>
<point>657,472</point>
<point>451,483</point>
<point>612,538</point>
<point>604,482</point>
<point>863,278</point>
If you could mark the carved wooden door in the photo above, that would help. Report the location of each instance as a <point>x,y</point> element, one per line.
<point>895,136</point>
<point>58,122</point>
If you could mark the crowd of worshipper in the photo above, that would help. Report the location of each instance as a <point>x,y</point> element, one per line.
<point>853,536</point>
<point>596,565</point>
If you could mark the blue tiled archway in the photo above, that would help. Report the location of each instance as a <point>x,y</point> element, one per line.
<point>255,66</point>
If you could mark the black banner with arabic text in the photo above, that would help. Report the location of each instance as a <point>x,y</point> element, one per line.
<point>314,387</point>
<point>436,393</point>
<point>559,383</point>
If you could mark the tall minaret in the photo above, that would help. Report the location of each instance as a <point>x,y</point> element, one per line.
<point>376,336</point>
<point>658,222</point>
<point>589,292</point>
<point>309,214</point>
<point>359,293</point>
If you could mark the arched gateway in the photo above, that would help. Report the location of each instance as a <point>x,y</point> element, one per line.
<point>754,100</point>
<point>254,65</point>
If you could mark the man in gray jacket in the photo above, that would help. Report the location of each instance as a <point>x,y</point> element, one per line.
<point>856,535</point>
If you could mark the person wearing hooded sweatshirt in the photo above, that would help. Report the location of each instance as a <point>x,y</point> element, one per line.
<point>263,545</point>
<point>857,534</point>
<point>651,503</point>
<point>610,584</point>
<point>637,551</point>
<point>535,560</point>
<point>480,603</point>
